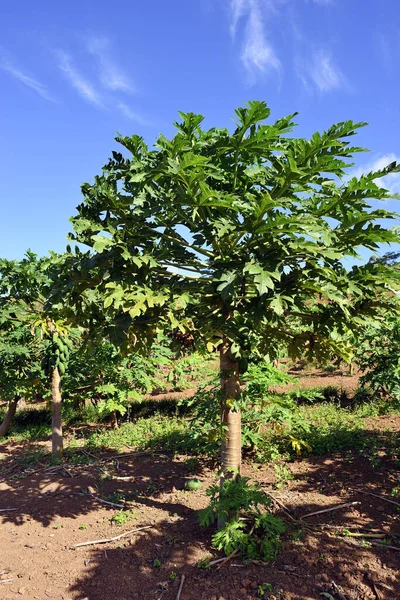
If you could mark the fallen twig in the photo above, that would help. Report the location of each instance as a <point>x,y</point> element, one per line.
<point>319,512</point>
<point>105,501</point>
<point>355,529</point>
<point>88,454</point>
<point>180,587</point>
<point>232,554</point>
<point>380,536</point>
<point>376,591</point>
<point>113,539</point>
<point>386,546</point>
<point>5,509</point>
<point>215,562</point>
<point>380,497</point>
<point>338,591</point>
<point>279,503</point>
<point>372,543</point>
<point>6,580</point>
<point>45,469</point>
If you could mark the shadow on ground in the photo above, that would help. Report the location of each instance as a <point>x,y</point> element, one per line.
<point>56,508</point>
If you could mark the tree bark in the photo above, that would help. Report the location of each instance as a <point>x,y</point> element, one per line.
<point>56,423</point>
<point>22,404</point>
<point>114,420</point>
<point>5,426</point>
<point>231,456</point>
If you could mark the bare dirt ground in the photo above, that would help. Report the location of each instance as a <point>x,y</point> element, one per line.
<point>56,508</point>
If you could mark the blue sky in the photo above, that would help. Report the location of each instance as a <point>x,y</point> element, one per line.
<point>73,73</point>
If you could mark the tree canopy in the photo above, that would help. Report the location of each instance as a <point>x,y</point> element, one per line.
<point>247,229</point>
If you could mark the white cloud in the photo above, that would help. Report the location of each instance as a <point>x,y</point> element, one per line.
<point>130,114</point>
<point>258,55</point>
<point>238,10</point>
<point>111,75</point>
<point>78,81</point>
<point>390,182</point>
<point>26,80</point>
<point>323,2</point>
<point>320,72</point>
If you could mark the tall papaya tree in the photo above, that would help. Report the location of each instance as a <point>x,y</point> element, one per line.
<point>56,343</point>
<point>238,236</point>
<point>20,372</point>
<point>34,338</point>
<point>20,369</point>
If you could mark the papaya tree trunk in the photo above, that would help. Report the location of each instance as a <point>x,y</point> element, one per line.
<point>114,420</point>
<point>22,404</point>
<point>5,426</point>
<point>231,455</point>
<point>56,423</point>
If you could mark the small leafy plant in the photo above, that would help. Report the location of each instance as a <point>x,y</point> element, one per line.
<point>204,563</point>
<point>264,587</point>
<point>283,475</point>
<point>122,517</point>
<point>247,528</point>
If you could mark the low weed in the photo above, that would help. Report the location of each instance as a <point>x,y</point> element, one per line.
<point>122,517</point>
<point>264,587</point>
<point>283,475</point>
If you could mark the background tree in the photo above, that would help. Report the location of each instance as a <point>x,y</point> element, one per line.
<point>99,375</point>
<point>21,376</point>
<point>234,236</point>
<point>34,339</point>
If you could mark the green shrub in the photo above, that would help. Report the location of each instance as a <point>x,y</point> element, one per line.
<point>248,527</point>
<point>378,357</point>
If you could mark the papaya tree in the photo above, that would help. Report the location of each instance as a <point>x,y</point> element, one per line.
<point>56,342</point>
<point>20,368</point>
<point>237,237</point>
<point>34,338</point>
<point>100,375</point>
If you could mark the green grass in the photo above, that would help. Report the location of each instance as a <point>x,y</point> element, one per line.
<point>154,433</point>
<point>332,429</point>
<point>31,425</point>
<point>157,426</point>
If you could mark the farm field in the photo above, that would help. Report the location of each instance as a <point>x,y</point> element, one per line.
<point>59,506</point>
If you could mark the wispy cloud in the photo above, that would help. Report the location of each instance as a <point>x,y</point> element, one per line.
<point>320,72</point>
<point>130,114</point>
<point>26,79</point>
<point>323,2</point>
<point>390,182</point>
<point>78,81</point>
<point>258,56</point>
<point>238,10</point>
<point>111,75</point>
